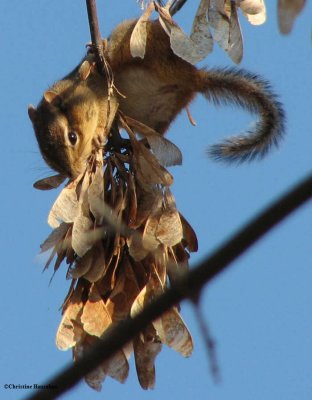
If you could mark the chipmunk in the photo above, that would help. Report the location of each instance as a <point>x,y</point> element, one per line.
<point>72,114</point>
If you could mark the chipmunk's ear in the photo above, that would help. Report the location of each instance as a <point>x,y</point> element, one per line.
<point>49,96</point>
<point>86,67</point>
<point>32,112</point>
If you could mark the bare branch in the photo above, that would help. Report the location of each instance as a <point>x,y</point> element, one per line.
<point>95,32</point>
<point>176,6</point>
<point>186,286</point>
<point>208,340</point>
<point>97,43</point>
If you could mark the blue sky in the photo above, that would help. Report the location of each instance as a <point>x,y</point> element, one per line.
<point>259,311</point>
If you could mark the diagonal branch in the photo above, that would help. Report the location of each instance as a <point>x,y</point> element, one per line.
<point>187,286</point>
<point>176,6</point>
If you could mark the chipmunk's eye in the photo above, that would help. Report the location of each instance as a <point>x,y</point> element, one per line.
<point>62,106</point>
<point>72,137</point>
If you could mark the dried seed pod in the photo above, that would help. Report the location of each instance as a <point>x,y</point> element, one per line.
<point>120,232</point>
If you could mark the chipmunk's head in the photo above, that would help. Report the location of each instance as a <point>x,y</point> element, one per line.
<point>66,123</point>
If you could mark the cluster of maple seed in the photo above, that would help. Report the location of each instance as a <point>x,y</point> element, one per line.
<point>117,227</point>
<point>217,21</point>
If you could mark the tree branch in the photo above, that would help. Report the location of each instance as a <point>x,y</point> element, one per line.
<point>97,42</point>
<point>176,6</point>
<point>187,286</point>
<point>95,32</point>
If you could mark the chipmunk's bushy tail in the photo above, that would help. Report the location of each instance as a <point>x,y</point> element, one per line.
<point>236,86</point>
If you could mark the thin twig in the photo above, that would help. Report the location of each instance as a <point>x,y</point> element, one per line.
<point>95,33</point>
<point>97,46</point>
<point>208,340</point>
<point>186,286</point>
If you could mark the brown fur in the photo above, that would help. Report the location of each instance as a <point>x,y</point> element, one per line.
<point>154,91</point>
